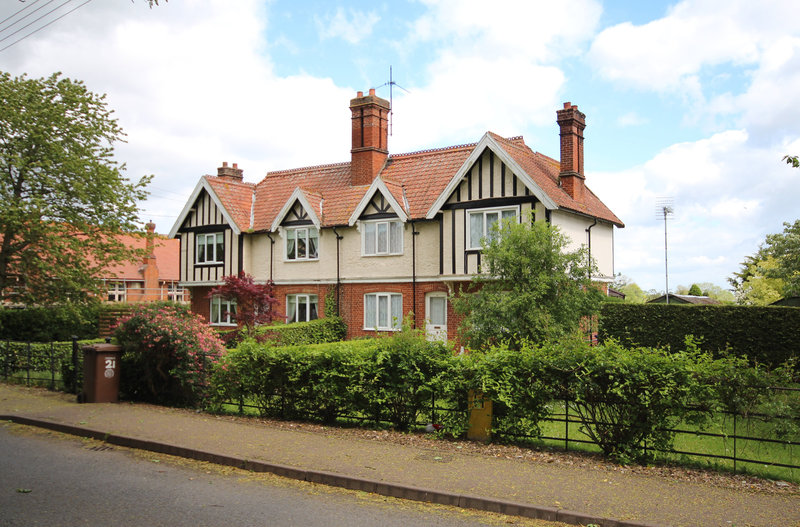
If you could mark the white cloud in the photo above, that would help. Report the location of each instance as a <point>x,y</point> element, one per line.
<point>670,53</point>
<point>353,28</point>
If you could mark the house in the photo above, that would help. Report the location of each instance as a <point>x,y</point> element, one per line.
<point>686,299</point>
<point>156,277</point>
<point>383,236</point>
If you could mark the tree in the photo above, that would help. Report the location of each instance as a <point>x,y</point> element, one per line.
<point>255,303</point>
<point>533,289</point>
<point>633,293</point>
<point>792,160</point>
<point>695,290</point>
<point>774,267</point>
<point>64,197</point>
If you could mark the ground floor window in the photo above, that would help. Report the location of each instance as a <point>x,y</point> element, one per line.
<point>383,311</point>
<point>222,311</point>
<point>116,291</point>
<point>301,308</point>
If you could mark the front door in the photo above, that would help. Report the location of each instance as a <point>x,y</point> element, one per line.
<point>436,316</point>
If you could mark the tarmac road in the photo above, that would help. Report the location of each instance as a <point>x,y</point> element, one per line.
<point>49,479</point>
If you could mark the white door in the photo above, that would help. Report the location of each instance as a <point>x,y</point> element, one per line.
<point>436,316</point>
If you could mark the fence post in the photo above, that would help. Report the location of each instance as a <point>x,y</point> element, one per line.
<point>734,443</point>
<point>74,378</point>
<point>566,425</point>
<point>433,407</point>
<point>52,366</point>
<point>28,367</point>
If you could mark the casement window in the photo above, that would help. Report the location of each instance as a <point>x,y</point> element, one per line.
<point>222,311</point>
<point>175,292</point>
<point>382,237</point>
<point>301,308</point>
<point>481,221</point>
<point>116,291</point>
<point>209,248</point>
<point>383,311</point>
<point>302,243</point>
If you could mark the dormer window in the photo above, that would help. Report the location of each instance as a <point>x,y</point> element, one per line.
<point>302,243</point>
<point>382,238</point>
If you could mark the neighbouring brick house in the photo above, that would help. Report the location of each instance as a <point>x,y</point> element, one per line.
<point>155,277</point>
<point>387,236</point>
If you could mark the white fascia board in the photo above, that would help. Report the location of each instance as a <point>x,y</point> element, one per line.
<point>488,142</point>
<point>297,195</point>
<point>377,185</point>
<point>202,185</point>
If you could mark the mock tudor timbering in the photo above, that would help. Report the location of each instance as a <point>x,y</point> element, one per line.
<point>385,236</point>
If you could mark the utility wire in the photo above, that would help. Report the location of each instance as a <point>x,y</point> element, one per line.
<point>33,22</point>
<point>47,24</point>
<point>18,12</point>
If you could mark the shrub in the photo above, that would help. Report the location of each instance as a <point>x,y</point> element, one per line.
<point>328,329</point>
<point>167,353</point>
<point>51,323</point>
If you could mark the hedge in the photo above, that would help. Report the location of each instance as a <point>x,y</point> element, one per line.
<point>42,357</point>
<point>328,329</point>
<point>46,324</point>
<point>768,335</point>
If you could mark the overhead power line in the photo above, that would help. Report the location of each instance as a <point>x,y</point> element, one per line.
<point>27,6</point>
<point>45,25</point>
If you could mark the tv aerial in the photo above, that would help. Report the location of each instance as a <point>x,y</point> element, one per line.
<point>665,208</point>
<point>391,84</point>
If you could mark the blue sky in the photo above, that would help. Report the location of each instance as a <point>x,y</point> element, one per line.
<point>693,100</point>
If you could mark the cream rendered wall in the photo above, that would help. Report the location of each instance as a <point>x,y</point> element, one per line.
<point>574,227</point>
<point>357,267</point>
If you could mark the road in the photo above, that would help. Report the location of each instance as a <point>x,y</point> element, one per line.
<point>54,480</point>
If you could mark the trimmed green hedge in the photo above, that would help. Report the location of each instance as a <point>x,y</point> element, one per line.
<point>768,335</point>
<point>328,329</point>
<point>45,324</point>
<point>44,357</point>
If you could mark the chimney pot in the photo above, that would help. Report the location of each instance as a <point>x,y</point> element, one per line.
<point>372,91</point>
<point>224,164</point>
<point>236,165</point>
<point>360,94</point>
<point>233,173</point>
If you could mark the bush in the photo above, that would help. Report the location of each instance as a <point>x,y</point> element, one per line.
<point>46,324</point>
<point>45,357</point>
<point>167,354</point>
<point>767,335</point>
<point>329,329</point>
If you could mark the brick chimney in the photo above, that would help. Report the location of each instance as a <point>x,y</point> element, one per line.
<point>571,123</point>
<point>149,267</point>
<point>233,173</point>
<point>370,137</point>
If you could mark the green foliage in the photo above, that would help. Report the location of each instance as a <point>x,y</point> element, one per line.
<point>48,358</point>
<point>168,353</point>
<point>767,335</point>
<point>793,161</point>
<point>65,199</point>
<point>775,266</point>
<point>388,379</point>
<point>753,284</point>
<point>53,323</point>
<point>633,293</point>
<point>695,290</point>
<point>532,289</point>
<point>328,329</point>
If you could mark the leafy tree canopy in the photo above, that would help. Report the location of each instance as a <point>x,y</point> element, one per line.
<point>751,284</point>
<point>255,303</point>
<point>773,271</point>
<point>64,197</point>
<point>532,288</point>
<point>633,293</point>
<point>695,290</point>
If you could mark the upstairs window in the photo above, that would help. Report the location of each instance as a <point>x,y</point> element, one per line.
<point>302,243</point>
<point>116,291</point>
<point>382,237</point>
<point>209,248</point>
<point>383,311</point>
<point>481,222</point>
<point>301,308</point>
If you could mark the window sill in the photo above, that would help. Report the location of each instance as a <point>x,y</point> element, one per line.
<point>301,260</point>
<point>222,325</point>
<point>209,264</point>
<point>382,329</point>
<point>380,255</point>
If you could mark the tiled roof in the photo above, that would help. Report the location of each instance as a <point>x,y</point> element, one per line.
<point>415,180</point>
<point>166,251</point>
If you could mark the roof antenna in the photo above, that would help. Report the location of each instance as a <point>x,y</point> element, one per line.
<point>391,85</point>
<point>665,209</point>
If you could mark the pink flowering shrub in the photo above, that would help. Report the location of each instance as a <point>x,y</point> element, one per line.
<point>168,354</point>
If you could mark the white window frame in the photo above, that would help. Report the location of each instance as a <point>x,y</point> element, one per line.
<point>222,309</point>
<point>374,249</point>
<point>295,231</point>
<point>204,237</point>
<point>297,298</point>
<point>116,289</point>
<point>485,228</point>
<point>389,321</point>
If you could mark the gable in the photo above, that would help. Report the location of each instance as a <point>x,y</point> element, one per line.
<point>296,215</point>
<point>489,178</point>
<point>204,212</point>
<point>379,207</point>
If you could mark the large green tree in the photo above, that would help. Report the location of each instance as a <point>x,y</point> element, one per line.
<point>773,271</point>
<point>531,288</point>
<point>64,198</point>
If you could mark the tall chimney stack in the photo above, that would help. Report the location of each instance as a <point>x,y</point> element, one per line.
<point>233,173</point>
<point>370,137</point>
<point>571,123</point>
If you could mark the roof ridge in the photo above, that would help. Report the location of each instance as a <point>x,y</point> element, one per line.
<point>433,150</point>
<point>223,179</point>
<point>288,170</point>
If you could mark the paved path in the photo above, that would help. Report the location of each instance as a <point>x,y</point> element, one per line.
<point>548,491</point>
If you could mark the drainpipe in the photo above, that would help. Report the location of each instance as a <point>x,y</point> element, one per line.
<point>414,234</point>
<point>271,253</point>
<point>589,233</point>
<point>338,276</point>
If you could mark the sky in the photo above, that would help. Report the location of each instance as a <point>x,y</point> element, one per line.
<point>691,103</point>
